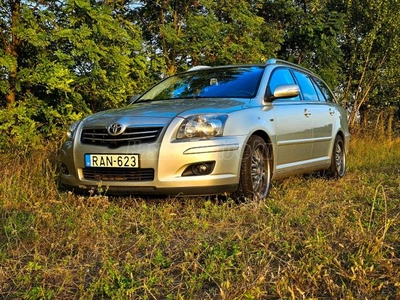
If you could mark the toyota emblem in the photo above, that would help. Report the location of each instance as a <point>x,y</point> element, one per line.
<point>115,129</point>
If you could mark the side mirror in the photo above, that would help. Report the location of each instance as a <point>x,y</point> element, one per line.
<point>284,91</point>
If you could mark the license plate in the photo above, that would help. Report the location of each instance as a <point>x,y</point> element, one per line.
<point>112,160</point>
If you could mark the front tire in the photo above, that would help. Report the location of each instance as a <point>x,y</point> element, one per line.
<point>255,171</point>
<point>338,159</point>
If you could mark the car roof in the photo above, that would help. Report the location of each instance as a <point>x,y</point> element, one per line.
<point>271,61</point>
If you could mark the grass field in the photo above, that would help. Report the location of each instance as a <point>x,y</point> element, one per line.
<point>312,238</point>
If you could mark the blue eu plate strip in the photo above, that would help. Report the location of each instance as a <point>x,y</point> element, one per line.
<point>87,160</point>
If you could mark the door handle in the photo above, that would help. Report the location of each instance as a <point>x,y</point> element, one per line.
<point>307,113</point>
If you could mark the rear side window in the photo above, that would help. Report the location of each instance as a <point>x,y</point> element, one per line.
<point>281,76</point>
<point>324,90</point>
<point>306,86</point>
<point>321,96</point>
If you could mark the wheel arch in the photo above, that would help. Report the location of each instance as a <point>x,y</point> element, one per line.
<point>343,136</point>
<point>337,167</point>
<point>263,135</point>
<point>266,137</point>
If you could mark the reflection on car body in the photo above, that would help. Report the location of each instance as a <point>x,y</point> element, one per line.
<point>211,130</point>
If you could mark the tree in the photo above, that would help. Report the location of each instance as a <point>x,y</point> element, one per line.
<point>371,45</point>
<point>310,34</point>
<point>191,32</point>
<point>10,43</point>
<point>62,59</point>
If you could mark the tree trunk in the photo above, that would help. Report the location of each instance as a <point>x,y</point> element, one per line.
<point>380,124</point>
<point>390,123</point>
<point>11,49</point>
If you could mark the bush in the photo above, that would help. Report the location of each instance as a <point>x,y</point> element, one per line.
<point>32,124</point>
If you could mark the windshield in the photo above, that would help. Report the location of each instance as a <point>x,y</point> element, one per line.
<point>230,82</point>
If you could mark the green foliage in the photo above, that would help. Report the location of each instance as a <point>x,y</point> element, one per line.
<point>207,32</point>
<point>311,35</point>
<point>7,62</point>
<point>370,46</point>
<point>60,60</point>
<point>18,130</point>
<point>28,125</point>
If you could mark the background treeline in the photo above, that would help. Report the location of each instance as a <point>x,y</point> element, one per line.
<point>60,60</point>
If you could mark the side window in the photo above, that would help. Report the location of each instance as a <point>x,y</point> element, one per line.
<point>324,90</point>
<point>281,76</point>
<point>306,86</point>
<point>321,95</point>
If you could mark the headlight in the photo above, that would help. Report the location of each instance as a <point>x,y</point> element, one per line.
<point>202,126</point>
<point>71,129</point>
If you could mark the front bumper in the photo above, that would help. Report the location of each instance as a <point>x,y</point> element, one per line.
<point>169,160</point>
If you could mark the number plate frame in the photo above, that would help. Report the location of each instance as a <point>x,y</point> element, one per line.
<point>94,160</point>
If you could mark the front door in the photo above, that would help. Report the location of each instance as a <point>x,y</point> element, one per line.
<point>293,124</point>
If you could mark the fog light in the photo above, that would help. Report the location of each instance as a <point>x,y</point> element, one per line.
<point>64,169</point>
<point>201,168</point>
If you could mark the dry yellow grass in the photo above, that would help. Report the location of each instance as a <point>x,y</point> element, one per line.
<point>312,238</point>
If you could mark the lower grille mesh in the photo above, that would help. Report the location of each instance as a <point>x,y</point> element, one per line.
<point>118,174</point>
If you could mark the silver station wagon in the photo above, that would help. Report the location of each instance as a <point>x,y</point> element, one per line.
<point>211,130</point>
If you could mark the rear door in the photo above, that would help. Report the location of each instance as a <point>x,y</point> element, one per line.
<point>328,115</point>
<point>321,114</point>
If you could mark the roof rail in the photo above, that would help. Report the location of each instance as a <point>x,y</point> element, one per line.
<point>284,62</point>
<point>281,61</point>
<point>195,68</point>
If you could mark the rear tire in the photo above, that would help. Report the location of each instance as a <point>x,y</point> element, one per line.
<point>338,159</point>
<point>255,171</point>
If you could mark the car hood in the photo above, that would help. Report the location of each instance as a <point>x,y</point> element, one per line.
<point>162,112</point>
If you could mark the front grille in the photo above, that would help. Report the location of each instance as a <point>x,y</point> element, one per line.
<point>118,174</point>
<point>131,135</point>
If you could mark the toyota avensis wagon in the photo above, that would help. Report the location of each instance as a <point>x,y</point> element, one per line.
<point>211,130</point>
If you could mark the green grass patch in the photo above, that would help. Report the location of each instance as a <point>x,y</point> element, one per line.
<point>312,238</point>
